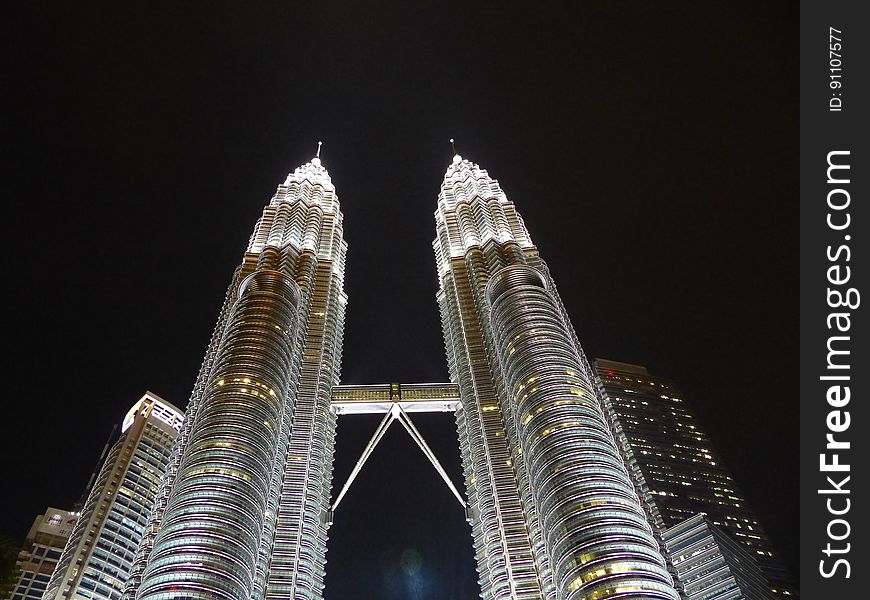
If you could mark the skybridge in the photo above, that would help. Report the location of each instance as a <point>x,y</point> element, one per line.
<point>395,401</point>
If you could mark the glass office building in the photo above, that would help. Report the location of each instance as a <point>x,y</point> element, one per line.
<point>710,564</point>
<point>552,507</point>
<point>96,562</point>
<point>674,465</point>
<point>244,509</point>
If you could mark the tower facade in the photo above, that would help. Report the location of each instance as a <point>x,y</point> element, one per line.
<point>552,507</point>
<point>243,509</point>
<point>712,565</point>
<point>42,550</point>
<point>96,562</point>
<point>676,469</point>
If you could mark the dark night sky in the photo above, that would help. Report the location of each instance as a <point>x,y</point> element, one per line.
<point>652,149</point>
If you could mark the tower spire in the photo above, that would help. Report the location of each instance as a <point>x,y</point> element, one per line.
<point>456,158</point>
<point>316,160</point>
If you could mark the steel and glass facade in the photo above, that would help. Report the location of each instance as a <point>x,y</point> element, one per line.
<point>675,467</point>
<point>97,560</point>
<point>552,507</point>
<point>243,509</point>
<point>710,564</point>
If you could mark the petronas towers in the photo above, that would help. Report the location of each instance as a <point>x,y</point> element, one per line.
<point>245,506</point>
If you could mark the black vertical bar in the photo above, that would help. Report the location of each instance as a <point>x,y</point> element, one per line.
<point>835,368</point>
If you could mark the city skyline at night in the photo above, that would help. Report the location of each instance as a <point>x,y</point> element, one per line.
<point>518,378</point>
<point>244,507</point>
<point>660,193</point>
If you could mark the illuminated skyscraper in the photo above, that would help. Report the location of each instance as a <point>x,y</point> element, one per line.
<point>243,510</point>
<point>42,549</point>
<point>712,565</point>
<point>552,507</point>
<point>96,562</point>
<point>675,466</point>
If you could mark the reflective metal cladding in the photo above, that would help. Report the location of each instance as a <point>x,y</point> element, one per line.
<point>553,511</point>
<point>241,512</point>
<point>244,508</point>
<point>209,539</point>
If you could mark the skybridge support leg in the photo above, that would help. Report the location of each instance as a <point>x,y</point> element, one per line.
<point>395,414</point>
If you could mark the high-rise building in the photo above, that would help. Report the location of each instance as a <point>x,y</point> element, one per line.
<point>552,507</point>
<point>42,549</point>
<point>675,467</point>
<point>96,562</point>
<point>710,564</point>
<point>244,508</point>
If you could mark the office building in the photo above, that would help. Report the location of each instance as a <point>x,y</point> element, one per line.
<point>96,562</point>
<point>42,549</point>
<point>245,507</point>
<point>553,510</point>
<point>675,466</point>
<point>710,564</point>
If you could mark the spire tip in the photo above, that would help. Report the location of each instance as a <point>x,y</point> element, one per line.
<point>456,158</point>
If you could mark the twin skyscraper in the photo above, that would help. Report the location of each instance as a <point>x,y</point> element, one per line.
<point>244,508</point>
